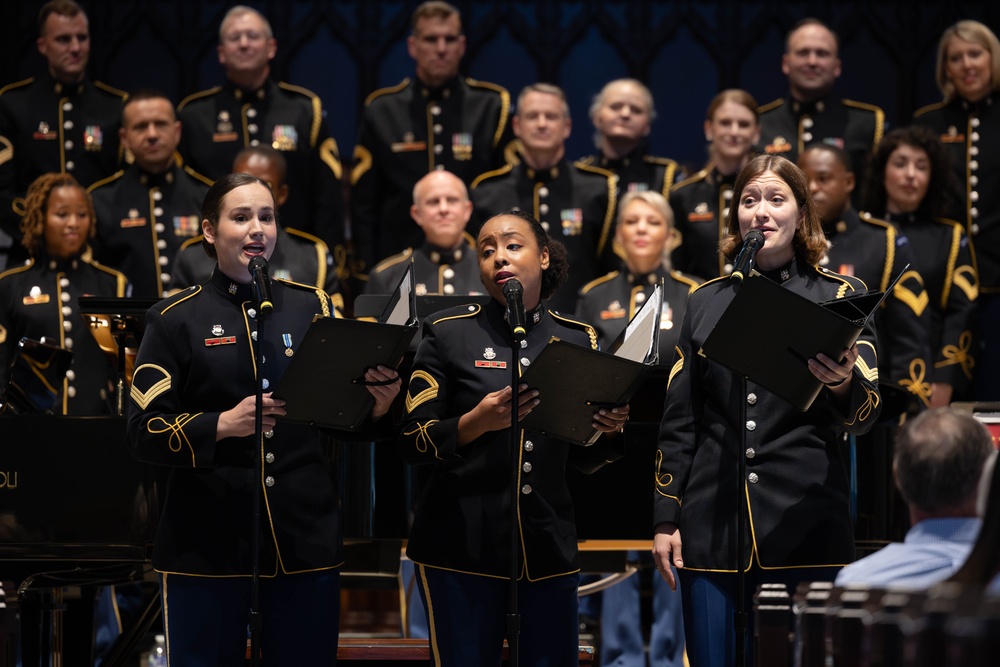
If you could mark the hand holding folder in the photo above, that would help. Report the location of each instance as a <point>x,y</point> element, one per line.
<point>325,383</point>
<point>574,382</point>
<point>769,333</point>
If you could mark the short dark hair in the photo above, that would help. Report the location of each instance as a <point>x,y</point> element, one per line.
<point>942,178</point>
<point>60,7</point>
<point>144,94</point>
<point>838,153</point>
<point>211,206</point>
<point>434,9</point>
<point>267,152</point>
<point>939,458</point>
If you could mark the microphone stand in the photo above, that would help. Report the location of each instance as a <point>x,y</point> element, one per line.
<point>258,431</point>
<point>513,621</point>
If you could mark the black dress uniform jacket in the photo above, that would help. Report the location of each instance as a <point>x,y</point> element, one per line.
<point>297,257</point>
<point>796,486</point>
<point>40,299</point>
<point>435,271</point>
<point>789,127</point>
<point>222,121</point>
<point>943,257</point>
<point>407,131</point>
<point>971,135</point>
<point>575,204</point>
<point>612,300</point>
<point>196,361</point>
<point>876,252</point>
<point>142,221</point>
<point>701,205</point>
<point>462,518</point>
<point>47,126</point>
<point>637,171</point>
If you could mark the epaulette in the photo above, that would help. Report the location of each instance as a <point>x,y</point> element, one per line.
<point>106,181</point>
<point>319,292</point>
<point>879,117</point>
<point>16,84</point>
<point>709,282</point>
<point>656,159</point>
<point>577,324</point>
<point>916,114</point>
<point>774,104</point>
<point>387,91</point>
<point>458,313</point>
<point>197,176</point>
<point>842,279</point>
<point>306,236</point>
<point>862,105</point>
<point>111,89</point>
<point>949,222</point>
<point>865,216</point>
<point>194,96</point>
<point>177,298</point>
<point>120,280</point>
<point>698,176</point>
<point>18,269</point>
<point>589,160</point>
<point>490,174</point>
<point>691,281</point>
<point>191,241</point>
<point>392,260</point>
<point>317,108</point>
<point>595,170</point>
<point>598,281</point>
<point>504,104</point>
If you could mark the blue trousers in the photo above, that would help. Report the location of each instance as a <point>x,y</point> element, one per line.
<point>205,619</point>
<point>467,619</point>
<point>622,640</point>
<point>709,601</point>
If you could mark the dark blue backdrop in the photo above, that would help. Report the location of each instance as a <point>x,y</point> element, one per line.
<point>685,51</point>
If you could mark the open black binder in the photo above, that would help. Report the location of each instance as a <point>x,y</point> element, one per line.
<point>325,382</point>
<point>575,381</point>
<point>769,333</point>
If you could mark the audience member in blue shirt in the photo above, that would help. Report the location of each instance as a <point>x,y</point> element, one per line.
<point>937,465</point>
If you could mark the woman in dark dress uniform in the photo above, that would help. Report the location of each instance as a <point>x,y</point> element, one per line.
<point>797,526</point>
<point>645,233</point>
<point>968,123</point>
<point>701,202</point>
<point>458,421</point>
<point>39,300</point>
<point>192,408</point>
<point>907,185</point>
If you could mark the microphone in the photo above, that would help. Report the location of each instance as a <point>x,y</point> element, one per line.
<point>745,260</point>
<point>514,293</point>
<point>261,283</point>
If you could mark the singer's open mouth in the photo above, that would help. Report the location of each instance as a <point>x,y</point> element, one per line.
<point>254,249</point>
<point>501,277</point>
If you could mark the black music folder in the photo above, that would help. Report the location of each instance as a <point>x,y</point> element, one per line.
<point>769,333</point>
<point>574,381</point>
<point>325,382</point>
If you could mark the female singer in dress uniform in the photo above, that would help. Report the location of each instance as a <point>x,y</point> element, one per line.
<point>907,185</point>
<point>968,123</point>
<point>701,202</point>
<point>39,299</point>
<point>192,409</point>
<point>645,233</point>
<point>797,525</point>
<point>458,421</point>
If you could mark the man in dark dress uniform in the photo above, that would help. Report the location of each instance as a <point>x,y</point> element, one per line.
<point>147,210</point>
<point>446,262</point>
<point>252,109</point>
<point>877,252</point>
<point>811,114</point>
<point>623,114</point>
<point>298,256</point>
<point>574,202</point>
<point>60,121</point>
<point>438,120</point>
